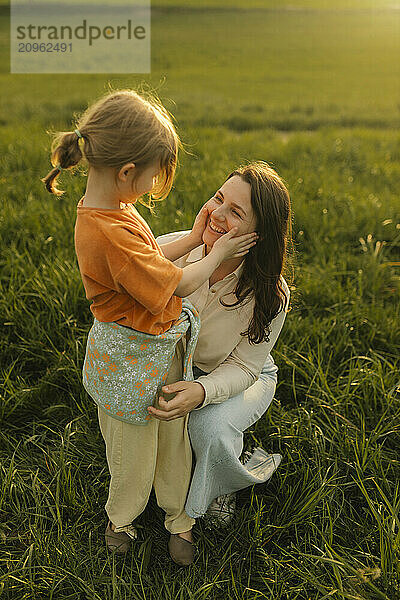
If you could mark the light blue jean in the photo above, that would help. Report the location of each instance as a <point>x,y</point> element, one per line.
<point>216,435</point>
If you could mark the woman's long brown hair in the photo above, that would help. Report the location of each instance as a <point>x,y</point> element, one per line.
<point>265,262</point>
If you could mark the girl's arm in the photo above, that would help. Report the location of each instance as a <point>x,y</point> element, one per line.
<point>184,245</point>
<point>180,247</point>
<point>226,247</point>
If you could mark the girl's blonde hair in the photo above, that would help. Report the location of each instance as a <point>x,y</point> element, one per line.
<point>120,127</point>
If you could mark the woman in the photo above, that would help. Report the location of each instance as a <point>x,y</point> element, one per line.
<point>242,310</point>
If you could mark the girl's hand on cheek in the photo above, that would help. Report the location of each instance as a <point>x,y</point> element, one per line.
<point>199,225</point>
<point>231,246</point>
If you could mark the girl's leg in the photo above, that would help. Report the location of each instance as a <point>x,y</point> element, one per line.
<point>173,471</point>
<point>174,462</point>
<point>216,434</point>
<point>131,457</point>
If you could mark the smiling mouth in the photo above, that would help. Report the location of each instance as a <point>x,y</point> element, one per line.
<point>216,229</point>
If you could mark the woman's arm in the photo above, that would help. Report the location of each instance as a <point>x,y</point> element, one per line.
<point>242,367</point>
<point>234,375</point>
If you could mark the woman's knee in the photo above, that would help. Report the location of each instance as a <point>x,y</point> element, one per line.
<point>269,372</point>
<point>268,388</point>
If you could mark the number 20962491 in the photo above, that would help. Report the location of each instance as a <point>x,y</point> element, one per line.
<point>44,47</point>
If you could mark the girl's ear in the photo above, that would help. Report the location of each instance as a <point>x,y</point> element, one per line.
<point>125,170</point>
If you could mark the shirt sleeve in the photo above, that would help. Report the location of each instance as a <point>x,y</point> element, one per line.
<point>165,238</point>
<point>145,275</point>
<point>242,367</point>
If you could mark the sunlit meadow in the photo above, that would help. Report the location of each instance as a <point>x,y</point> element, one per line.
<point>314,89</point>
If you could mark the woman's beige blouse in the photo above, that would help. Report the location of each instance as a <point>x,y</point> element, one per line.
<point>231,362</point>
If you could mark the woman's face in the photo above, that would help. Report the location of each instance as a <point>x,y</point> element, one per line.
<point>229,207</point>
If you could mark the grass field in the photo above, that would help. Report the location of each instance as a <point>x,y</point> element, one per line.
<point>316,94</point>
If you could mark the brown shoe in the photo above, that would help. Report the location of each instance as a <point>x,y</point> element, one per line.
<point>180,550</point>
<point>119,540</point>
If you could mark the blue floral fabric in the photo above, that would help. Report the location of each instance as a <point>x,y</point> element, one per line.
<point>125,369</point>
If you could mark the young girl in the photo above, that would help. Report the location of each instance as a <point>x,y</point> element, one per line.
<point>131,147</point>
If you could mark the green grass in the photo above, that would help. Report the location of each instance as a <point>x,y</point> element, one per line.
<point>287,5</point>
<point>320,5</point>
<point>316,95</point>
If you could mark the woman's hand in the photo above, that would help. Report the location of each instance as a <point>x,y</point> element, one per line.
<point>190,395</point>
<point>199,225</point>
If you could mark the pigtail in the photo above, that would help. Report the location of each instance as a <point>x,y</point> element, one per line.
<point>66,153</point>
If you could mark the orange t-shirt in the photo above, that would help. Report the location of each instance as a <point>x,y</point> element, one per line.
<point>124,271</point>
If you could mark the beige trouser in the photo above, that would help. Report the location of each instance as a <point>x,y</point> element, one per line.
<point>142,456</point>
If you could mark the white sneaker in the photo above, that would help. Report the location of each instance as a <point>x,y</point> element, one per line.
<point>261,464</point>
<point>222,508</point>
<point>245,457</point>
